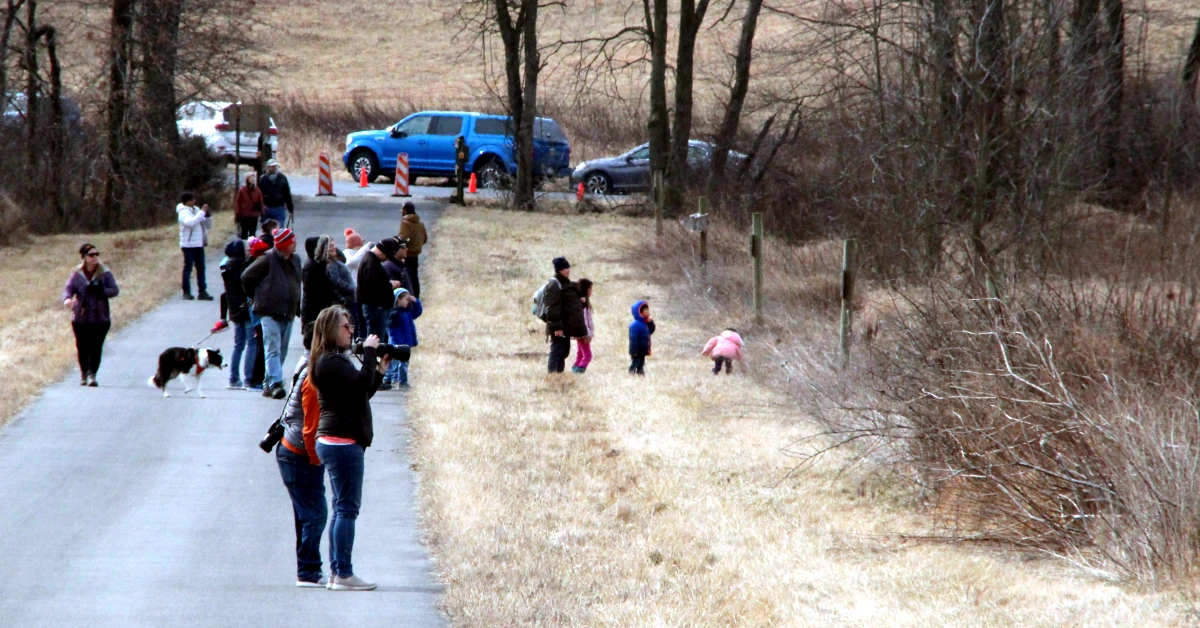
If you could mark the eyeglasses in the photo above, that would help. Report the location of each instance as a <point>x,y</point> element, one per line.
<point>94,254</point>
<point>348,326</point>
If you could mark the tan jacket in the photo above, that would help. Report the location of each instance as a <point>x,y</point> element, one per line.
<point>413,230</point>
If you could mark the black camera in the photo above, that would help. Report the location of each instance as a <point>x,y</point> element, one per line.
<point>398,353</point>
<point>274,435</point>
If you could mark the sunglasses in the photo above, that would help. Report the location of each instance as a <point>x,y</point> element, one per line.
<point>94,254</point>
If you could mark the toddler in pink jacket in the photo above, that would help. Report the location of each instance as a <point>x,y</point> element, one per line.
<point>724,349</point>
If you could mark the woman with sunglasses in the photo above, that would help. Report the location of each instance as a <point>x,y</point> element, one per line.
<point>344,431</point>
<point>86,294</point>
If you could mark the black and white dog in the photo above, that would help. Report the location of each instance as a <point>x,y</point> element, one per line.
<point>190,363</point>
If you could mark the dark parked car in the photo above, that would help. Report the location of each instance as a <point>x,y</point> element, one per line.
<point>12,113</point>
<point>630,172</point>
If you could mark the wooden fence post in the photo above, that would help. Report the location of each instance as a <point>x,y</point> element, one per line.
<point>848,272</point>
<point>659,198</point>
<point>756,245</point>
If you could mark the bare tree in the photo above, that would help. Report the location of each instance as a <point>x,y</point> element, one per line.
<point>120,38</point>
<point>737,95</point>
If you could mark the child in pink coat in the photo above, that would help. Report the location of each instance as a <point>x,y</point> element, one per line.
<point>724,349</point>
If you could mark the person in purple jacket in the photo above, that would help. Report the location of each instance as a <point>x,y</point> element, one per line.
<point>86,294</point>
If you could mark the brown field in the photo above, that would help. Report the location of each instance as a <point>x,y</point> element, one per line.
<point>36,343</point>
<point>607,500</point>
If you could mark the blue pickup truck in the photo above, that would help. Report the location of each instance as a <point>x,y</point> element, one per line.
<point>428,139</point>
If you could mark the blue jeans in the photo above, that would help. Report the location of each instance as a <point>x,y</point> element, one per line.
<point>398,371</point>
<point>360,321</point>
<point>345,466</point>
<point>376,320</point>
<point>193,256</point>
<point>278,214</point>
<point>276,334</point>
<point>305,483</point>
<point>239,347</point>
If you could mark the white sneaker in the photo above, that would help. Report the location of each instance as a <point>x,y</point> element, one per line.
<point>319,584</point>
<point>353,583</point>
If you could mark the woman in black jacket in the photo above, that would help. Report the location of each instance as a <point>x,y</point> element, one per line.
<point>345,430</point>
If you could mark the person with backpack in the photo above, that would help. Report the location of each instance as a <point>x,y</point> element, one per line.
<point>558,304</point>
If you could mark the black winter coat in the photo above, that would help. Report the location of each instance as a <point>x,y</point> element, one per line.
<point>345,395</point>
<point>564,310</point>
<point>276,191</point>
<point>318,291</point>
<point>396,272</point>
<point>374,285</point>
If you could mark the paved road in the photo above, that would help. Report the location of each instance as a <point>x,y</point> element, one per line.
<point>124,509</point>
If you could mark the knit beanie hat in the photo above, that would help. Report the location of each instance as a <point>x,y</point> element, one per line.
<point>353,240</point>
<point>389,246</point>
<point>560,264</point>
<point>397,293</point>
<point>283,236</point>
<point>258,247</point>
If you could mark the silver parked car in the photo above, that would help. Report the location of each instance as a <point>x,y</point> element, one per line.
<point>630,172</point>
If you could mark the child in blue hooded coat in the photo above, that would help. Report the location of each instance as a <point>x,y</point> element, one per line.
<point>402,331</point>
<point>639,337</point>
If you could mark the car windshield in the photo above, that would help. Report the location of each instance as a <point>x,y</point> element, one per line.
<point>641,153</point>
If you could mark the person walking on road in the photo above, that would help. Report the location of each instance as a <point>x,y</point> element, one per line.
<point>345,431</point>
<point>302,472</point>
<point>412,230</point>
<point>87,292</point>
<point>564,314</point>
<point>274,282</point>
<point>194,224</point>
<point>277,195</point>
<point>375,287</point>
<point>248,208</point>
<point>237,305</point>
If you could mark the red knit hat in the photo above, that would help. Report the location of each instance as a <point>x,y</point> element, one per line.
<point>282,236</point>
<point>353,240</point>
<point>258,247</point>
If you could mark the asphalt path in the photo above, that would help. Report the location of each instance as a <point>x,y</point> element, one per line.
<point>122,508</point>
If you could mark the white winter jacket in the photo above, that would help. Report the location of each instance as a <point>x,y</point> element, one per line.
<point>193,226</point>
<point>354,258</point>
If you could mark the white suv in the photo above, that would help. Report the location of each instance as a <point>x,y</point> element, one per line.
<point>205,119</point>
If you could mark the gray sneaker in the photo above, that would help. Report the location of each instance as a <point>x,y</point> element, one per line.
<point>91,380</point>
<point>352,583</point>
<point>322,583</point>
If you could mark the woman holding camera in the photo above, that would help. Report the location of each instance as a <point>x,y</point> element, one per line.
<point>345,429</point>
<point>302,472</point>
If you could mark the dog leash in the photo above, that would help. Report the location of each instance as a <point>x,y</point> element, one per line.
<point>210,335</point>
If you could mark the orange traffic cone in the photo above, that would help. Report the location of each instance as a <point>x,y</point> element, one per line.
<point>362,178</point>
<point>579,192</point>
<point>471,187</point>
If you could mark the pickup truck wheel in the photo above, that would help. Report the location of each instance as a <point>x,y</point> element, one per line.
<point>597,183</point>
<point>364,159</point>
<point>492,175</point>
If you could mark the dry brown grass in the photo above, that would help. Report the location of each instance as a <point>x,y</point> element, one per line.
<point>666,501</point>
<point>36,343</point>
